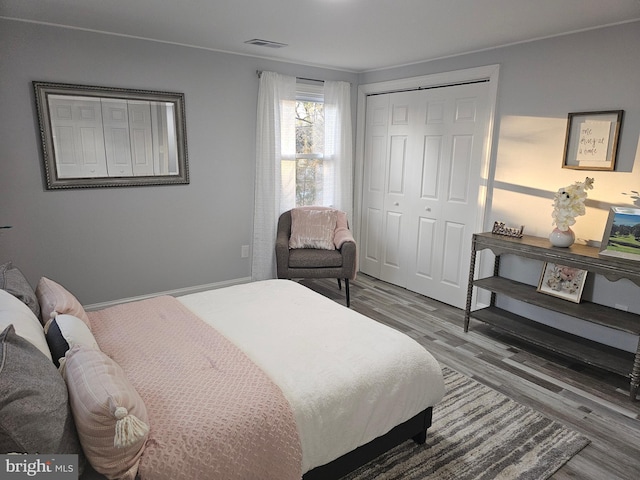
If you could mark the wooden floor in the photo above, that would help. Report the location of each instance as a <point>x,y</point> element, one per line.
<point>588,400</point>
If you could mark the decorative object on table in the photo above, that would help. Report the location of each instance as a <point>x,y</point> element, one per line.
<point>622,233</point>
<point>562,281</point>
<point>499,228</point>
<point>568,203</point>
<point>562,238</point>
<point>592,140</point>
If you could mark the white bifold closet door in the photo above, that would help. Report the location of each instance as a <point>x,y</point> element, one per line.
<point>103,137</point>
<point>78,137</point>
<point>422,179</point>
<point>128,137</point>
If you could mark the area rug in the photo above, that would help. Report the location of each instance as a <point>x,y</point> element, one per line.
<point>478,433</point>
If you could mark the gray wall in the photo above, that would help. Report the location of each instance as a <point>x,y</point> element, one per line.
<point>106,244</point>
<point>540,83</point>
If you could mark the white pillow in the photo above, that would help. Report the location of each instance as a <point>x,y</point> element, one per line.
<point>14,312</point>
<point>64,332</point>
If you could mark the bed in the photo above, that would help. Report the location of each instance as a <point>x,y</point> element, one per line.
<point>322,390</point>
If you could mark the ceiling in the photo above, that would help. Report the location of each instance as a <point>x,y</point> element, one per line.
<point>351,35</point>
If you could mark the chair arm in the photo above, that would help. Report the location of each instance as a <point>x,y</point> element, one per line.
<point>349,259</point>
<point>282,253</point>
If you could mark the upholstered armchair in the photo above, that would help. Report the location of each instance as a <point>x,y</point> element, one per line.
<point>336,260</point>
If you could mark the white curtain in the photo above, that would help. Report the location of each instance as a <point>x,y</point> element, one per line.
<point>338,147</point>
<point>275,140</point>
<point>275,160</point>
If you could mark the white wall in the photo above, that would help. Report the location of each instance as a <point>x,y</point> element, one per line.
<point>540,83</point>
<point>106,244</point>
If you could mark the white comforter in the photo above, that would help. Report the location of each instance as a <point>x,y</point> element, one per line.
<point>349,379</point>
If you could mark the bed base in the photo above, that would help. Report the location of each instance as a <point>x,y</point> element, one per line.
<point>414,428</point>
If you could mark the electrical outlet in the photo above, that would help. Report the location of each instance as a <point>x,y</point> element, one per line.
<point>244,251</point>
<point>622,307</point>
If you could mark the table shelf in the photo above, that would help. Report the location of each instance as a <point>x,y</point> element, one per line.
<point>572,346</point>
<point>559,342</point>
<point>592,312</point>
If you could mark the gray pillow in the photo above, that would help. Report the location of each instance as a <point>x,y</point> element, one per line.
<point>35,415</point>
<point>13,281</point>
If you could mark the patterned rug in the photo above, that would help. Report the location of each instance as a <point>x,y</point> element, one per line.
<point>478,433</point>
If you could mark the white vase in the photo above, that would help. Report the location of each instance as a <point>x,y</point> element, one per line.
<point>562,238</point>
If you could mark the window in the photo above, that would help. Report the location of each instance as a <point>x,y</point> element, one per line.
<point>309,122</point>
<point>304,141</point>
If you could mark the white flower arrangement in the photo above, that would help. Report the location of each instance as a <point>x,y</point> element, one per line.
<point>569,203</point>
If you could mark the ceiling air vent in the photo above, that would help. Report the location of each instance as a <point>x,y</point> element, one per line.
<point>265,43</point>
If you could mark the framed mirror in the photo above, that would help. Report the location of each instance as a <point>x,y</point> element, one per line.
<point>111,137</point>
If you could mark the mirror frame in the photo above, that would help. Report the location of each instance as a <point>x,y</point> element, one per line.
<point>53,181</point>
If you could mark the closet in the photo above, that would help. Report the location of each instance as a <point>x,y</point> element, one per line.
<point>422,184</point>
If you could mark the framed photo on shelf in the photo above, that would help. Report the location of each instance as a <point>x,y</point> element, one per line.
<point>622,233</point>
<point>591,142</point>
<point>562,281</point>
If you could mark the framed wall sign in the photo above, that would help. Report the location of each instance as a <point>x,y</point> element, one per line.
<point>591,142</point>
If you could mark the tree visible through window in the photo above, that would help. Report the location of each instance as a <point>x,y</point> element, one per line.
<point>309,152</point>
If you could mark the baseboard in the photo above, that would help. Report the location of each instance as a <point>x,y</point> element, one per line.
<point>174,293</point>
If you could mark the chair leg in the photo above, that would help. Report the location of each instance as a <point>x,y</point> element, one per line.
<point>346,289</point>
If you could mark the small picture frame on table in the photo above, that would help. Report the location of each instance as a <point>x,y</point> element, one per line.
<point>622,233</point>
<point>562,281</point>
<point>592,138</point>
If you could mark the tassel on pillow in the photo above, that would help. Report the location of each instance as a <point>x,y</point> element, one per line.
<point>129,428</point>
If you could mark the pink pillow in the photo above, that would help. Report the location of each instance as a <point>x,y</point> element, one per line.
<point>110,416</point>
<point>55,299</point>
<point>312,228</point>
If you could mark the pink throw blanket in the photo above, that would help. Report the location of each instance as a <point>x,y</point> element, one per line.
<point>213,413</point>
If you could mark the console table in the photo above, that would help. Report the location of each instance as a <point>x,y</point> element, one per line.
<point>572,346</point>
